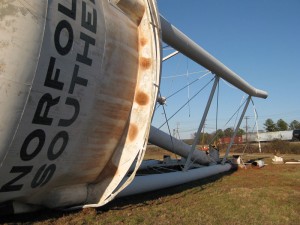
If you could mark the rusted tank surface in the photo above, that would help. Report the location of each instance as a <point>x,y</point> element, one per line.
<point>76,80</point>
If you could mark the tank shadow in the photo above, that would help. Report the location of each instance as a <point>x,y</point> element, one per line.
<point>134,201</point>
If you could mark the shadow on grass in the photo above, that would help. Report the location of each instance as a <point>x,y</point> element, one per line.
<point>117,204</point>
<point>142,199</point>
<point>38,216</point>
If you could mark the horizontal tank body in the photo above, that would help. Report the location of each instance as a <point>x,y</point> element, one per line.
<point>76,79</point>
<point>78,86</point>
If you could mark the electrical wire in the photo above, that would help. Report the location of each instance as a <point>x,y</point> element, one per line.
<point>167,124</point>
<point>188,101</point>
<point>184,74</point>
<point>194,81</point>
<point>235,112</point>
<point>181,89</point>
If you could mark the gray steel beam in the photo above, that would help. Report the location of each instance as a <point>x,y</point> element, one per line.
<point>236,129</point>
<point>178,40</point>
<point>197,137</point>
<point>166,141</point>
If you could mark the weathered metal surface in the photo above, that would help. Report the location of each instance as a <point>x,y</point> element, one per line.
<point>76,77</point>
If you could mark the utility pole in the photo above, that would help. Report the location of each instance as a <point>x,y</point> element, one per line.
<point>203,134</point>
<point>176,131</point>
<point>246,118</point>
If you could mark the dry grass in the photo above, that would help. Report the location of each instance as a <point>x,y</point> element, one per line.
<point>269,195</point>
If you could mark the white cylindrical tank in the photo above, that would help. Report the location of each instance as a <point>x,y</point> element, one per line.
<point>76,79</point>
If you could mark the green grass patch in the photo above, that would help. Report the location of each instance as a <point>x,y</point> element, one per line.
<point>269,195</point>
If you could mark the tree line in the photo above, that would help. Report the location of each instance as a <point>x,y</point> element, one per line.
<point>281,125</point>
<point>206,138</point>
<point>269,125</point>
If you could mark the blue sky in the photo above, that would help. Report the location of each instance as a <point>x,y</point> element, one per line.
<point>257,39</point>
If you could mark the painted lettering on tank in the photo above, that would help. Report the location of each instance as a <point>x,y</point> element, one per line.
<point>35,141</point>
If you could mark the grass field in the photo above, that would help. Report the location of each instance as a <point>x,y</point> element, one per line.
<point>269,195</point>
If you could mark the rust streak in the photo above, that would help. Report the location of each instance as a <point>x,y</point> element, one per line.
<point>142,98</point>
<point>133,131</point>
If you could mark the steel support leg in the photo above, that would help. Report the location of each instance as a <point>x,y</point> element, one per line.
<point>236,130</point>
<point>196,140</point>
